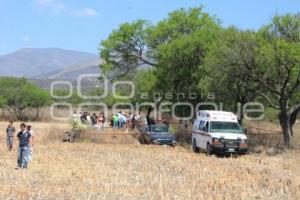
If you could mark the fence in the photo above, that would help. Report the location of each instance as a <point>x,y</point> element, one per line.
<point>265,137</point>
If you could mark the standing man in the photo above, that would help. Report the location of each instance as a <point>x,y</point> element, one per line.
<point>29,130</point>
<point>24,146</point>
<point>10,133</point>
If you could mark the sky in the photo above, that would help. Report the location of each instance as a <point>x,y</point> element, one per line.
<point>81,25</point>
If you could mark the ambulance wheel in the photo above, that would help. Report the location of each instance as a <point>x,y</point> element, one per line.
<point>195,148</point>
<point>208,150</point>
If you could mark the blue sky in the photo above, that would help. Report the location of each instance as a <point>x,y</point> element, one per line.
<point>82,24</point>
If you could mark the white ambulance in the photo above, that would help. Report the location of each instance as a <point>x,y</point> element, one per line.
<point>218,132</point>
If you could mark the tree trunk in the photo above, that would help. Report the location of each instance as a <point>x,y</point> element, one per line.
<point>37,115</point>
<point>239,112</point>
<point>294,119</point>
<point>149,121</point>
<point>285,123</point>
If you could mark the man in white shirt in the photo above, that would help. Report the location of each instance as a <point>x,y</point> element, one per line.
<point>29,130</point>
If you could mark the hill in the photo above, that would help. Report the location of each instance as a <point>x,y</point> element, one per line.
<point>31,62</point>
<point>72,72</point>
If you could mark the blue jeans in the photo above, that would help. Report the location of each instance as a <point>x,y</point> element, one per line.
<point>23,156</point>
<point>115,124</point>
<point>10,142</point>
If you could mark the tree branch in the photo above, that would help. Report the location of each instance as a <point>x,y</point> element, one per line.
<point>294,108</point>
<point>268,99</point>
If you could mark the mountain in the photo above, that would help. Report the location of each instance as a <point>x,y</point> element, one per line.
<point>32,62</point>
<point>72,72</point>
<point>71,75</point>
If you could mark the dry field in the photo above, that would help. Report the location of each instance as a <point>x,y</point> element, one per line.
<point>132,171</point>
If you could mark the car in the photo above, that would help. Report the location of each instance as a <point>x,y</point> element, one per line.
<point>218,132</point>
<point>157,134</point>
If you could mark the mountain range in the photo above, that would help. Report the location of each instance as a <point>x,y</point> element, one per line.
<point>43,66</point>
<point>48,63</point>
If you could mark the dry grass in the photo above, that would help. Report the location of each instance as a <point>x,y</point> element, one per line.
<point>269,139</point>
<point>131,171</point>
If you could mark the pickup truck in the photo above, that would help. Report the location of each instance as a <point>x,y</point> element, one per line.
<point>157,134</point>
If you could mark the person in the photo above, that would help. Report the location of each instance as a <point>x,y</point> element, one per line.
<point>24,145</point>
<point>122,120</point>
<point>100,121</point>
<point>29,130</point>
<point>116,120</point>
<point>129,119</point>
<point>75,116</point>
<point>104,120</point>
<point>138,120</point>
<point>94,120</point>
<point>10,133</point>
<point>112,121</point>
<point>133,122</point>
<point>119,114</point>
<point>88,118</point>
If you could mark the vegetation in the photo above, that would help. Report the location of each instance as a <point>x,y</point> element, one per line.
<point>190,52</point>
<point>19,94</point>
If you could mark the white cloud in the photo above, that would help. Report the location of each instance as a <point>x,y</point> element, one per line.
<point>53,6</point>
<point>57,6</point>
<point>25,38</point>
<point>85,12</point>
<point>90,12</point>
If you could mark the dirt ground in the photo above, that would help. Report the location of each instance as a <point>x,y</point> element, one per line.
<point>131,171</point>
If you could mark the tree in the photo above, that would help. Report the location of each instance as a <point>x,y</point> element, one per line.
<point>278,69</point>
<point>180,44</point>
<point>19,94</point>
<point>229,65</point>
<point>126,48</point>
<point>175,47</point>
<point>144,81</point>
<point>74,99</point>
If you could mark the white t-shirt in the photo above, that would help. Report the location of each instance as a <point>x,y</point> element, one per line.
<point>31,132</point>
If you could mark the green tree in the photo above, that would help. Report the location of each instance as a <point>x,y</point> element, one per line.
<point>180,44</point>
<point>229,65</point>
<point>144,81</point>
<point>175,47</point>
<point>126,48</point>
<point>74,99</point>
<point>278,69</point>
<point>19,94</point>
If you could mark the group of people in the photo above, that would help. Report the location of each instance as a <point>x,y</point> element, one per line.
<point>117,120</point>
<point>25,139</point>
<point>120,120</point>
<point>97,121</point>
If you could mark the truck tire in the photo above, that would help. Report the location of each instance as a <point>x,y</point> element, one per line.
<point>195,148</point>
<point>142,139</point>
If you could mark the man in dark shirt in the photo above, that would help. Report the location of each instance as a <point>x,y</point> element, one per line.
<point>10,133</point>
<point>24,146</point>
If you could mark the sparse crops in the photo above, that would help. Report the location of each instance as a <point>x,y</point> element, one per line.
<point>132,171</point>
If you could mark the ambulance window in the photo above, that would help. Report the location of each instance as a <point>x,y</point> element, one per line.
<point>206,126</point>
<point>201,125</point>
